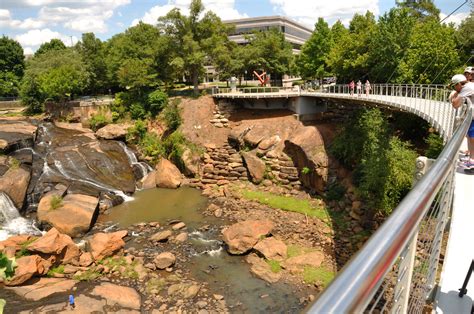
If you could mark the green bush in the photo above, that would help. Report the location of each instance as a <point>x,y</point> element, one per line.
<point>137,132</point>
<point>98,121</point>
<point>151,146</point>
<point>137,111</point>
<point>7,267</point>
<point>305,170</point>
<point>174,146</point>
<point>157,100</point>
<point>435,145</point>
<point>172,115</point>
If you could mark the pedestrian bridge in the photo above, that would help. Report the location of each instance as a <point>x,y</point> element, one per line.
<point>398,270</point>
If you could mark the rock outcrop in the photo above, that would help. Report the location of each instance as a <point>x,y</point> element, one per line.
<point>38,289</point>
<point>15,134</point>
<point>27,267</point>
<point>272,249</point>
<point>242,236</point>
<point>15,184</point>
<point>255,166</point>
<point>74,214</point>
<point>167,175</point>
<point>57,244</point>
<point>306,148</point>
<point>114,294</point>
<point>261,269</point>
<point>113,131</point>
<point>105,244</point>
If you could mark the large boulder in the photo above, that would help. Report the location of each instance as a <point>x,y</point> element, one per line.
<point>113,131</point>
<point>122,296</point>
<point>15,242</point>
<point>105,244</point>
<point>191,162</point>
<point>56,243</point>
<point>255,166</point>
<point>261,269</point>
<point>74,215</point>
<point>15,184</point>
<point>306,149</point>
<point>15,134</point>
<point>27,267</point>
<point>38,289</point>
<point>164,260</point>
<point>272,249</point>
<point>242,236</point>
<point>297,263</point>
<point>167,175</point>
<point>148,181</point>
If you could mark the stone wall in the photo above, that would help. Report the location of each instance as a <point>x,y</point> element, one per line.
<point>78,110</point>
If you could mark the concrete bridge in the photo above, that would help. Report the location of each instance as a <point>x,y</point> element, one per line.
<point>397,269</point>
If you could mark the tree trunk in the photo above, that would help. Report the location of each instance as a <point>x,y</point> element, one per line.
<point>195,79</point>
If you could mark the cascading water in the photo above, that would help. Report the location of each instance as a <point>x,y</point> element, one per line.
<point>11,222</point>
<point>143,167</point>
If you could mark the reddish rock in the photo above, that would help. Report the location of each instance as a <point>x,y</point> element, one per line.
<point>56,243</point>
<point>15,183</point>
<point>242,236</point>
<point>167,175</point>
<point>149,181</point>
<point>297,263</point>
<point>105,244</point>
<point>27,267</point>
<point>255,166</point>
<point>113,131</point>
<point>73,217</point>
<point>272,249</point>
<point>306,148</point>
<point>191,162</point>
<point>38,289</point>
<point>114,294</point>
<point>15,242</point>
<point>86,259</point>
<point>164,260</point>
<point>261,269</point>
<point>268,143</point>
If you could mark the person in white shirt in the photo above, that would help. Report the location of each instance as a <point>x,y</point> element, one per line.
<point>464,89</point>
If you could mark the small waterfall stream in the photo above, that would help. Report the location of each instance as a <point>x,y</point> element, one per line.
<point>11,222</point>
<point>143,167</point>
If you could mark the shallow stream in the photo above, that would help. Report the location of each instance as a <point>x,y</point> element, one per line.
<point>209,262</point>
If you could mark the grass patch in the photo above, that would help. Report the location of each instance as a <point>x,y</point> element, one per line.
<point>286,203</point>
<point>293,250</point>
<point>87,275</point>
<point>275,266</point>
<point>320,275</point>
<point>55,270</point>
<point>14,163</point>
<point>156,284</point>
<point>56,202</point>
<point>120,264</point>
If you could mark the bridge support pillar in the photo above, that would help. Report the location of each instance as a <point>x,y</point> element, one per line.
<point>309,108</point>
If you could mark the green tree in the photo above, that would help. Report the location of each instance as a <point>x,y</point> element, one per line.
<point>431,56</point>
<point>194,41</point>
<point>269,51</point>
<point>421,9</point>
<point>465,38</point>
<point>12,66</point>
<point>55,75</point>
<point>339,36</point>
<point>53,44</point>
<point>91,50</point>
<point>389,44</point>
<point>313,60</point>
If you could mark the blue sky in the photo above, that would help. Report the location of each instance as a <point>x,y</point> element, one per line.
<point>33,22</point>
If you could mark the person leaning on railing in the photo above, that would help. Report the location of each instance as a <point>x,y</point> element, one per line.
<point>464,89</point>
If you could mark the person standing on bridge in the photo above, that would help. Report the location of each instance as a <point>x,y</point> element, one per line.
<point>359,88</point>
<point>463,89</point>
<point>351,87</point>
<point>367,88</point>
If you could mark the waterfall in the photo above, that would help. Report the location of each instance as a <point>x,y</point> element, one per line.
<point>144,167</point>
<point>11,222</point>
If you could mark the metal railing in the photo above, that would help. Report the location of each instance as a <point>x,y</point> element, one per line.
<point>396,269</point>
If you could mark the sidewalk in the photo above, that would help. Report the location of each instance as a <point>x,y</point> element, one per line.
<point>460,249</point>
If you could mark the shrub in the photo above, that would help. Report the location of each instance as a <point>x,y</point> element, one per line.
<point>157,100</point>
<point>98,121</point>
<point>7,267</point>
<point>137,111</point>
<point>305,170</point>
<point>151,146</point>
<point>172,115</point>
<point>137,132</point>
<point>174,146</point>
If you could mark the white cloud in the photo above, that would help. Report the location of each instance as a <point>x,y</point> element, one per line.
<point>223,8</point>
<point>308,12</point>
<point>82,16</point>
<point>455,18</point>
<point>34,38</point>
